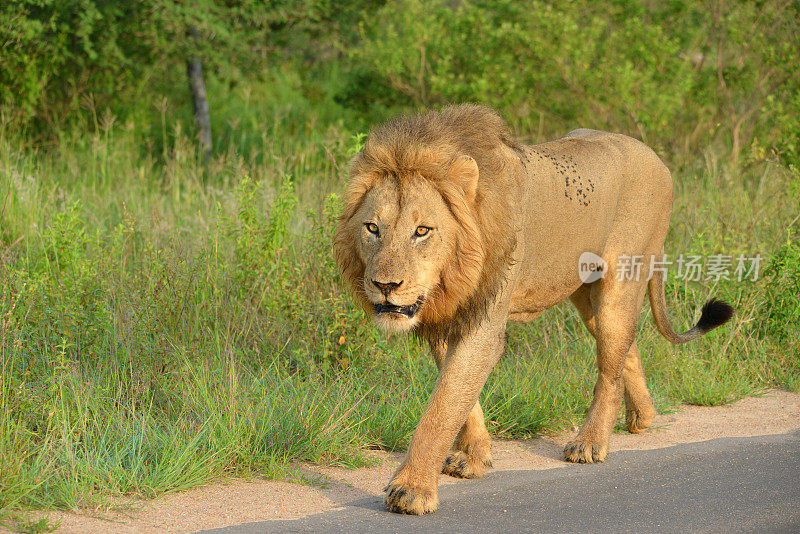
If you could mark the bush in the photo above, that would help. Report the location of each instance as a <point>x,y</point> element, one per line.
<point>782,280</point>
<point>616,65</point>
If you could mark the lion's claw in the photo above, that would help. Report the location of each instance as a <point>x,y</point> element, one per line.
<point>584,452</point>
<point>460,465</point>
<point>405,499</point>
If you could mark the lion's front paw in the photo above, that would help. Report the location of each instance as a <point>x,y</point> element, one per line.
<point>461,465</point>
<point>405,499</point>
<point>585,452</point>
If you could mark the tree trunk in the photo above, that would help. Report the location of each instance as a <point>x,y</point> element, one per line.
<point>194,71</point>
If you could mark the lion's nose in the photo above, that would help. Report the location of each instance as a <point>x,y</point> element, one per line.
<point>387,287</point>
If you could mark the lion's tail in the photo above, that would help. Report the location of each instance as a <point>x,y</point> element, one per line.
<point>714,313</point>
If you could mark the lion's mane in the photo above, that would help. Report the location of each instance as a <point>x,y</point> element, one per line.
<point>428,145</point>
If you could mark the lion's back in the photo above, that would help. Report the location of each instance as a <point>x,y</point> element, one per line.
<point>635,156</point>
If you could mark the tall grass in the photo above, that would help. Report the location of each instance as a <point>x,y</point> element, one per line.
<point>164,322</point>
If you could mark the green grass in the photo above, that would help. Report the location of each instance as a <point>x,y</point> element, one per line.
<point>164,323</point>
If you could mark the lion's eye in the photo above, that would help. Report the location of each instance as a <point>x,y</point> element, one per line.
<point>421,231</point>
<point>372,228</point>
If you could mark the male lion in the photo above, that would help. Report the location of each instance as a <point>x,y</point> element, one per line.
<point>450,228</point>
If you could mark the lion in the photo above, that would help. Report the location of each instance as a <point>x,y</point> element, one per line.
<point>450,228</point>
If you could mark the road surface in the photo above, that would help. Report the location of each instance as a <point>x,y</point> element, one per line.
<point>724,485</point>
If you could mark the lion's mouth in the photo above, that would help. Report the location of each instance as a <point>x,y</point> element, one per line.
<point>409,311</point>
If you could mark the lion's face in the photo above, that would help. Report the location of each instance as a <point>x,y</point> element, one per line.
<point>404,237</point>
<point>409,241</point>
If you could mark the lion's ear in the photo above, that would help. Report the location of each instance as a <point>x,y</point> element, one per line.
<point>464,172</point>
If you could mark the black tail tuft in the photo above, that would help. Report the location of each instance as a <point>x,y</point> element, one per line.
<point>714,313</point>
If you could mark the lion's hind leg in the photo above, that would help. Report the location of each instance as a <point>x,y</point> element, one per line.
<point>471,455</point>
<point>612,316</point>
<point>639,408</point>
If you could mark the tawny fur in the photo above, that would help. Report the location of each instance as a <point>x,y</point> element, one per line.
<point>445,211</point>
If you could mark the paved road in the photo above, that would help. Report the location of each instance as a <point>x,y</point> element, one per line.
<point>725,485</point>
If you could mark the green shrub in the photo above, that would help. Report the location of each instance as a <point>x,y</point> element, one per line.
<point>782,280</point>
<point>620,66</point>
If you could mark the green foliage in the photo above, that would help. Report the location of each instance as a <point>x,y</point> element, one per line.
<point>613,65</point>
<point>724,72</point>
<point>258,237</point>
<point>782,277</point>
<point>62,57</point>
<point>20,523</point>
